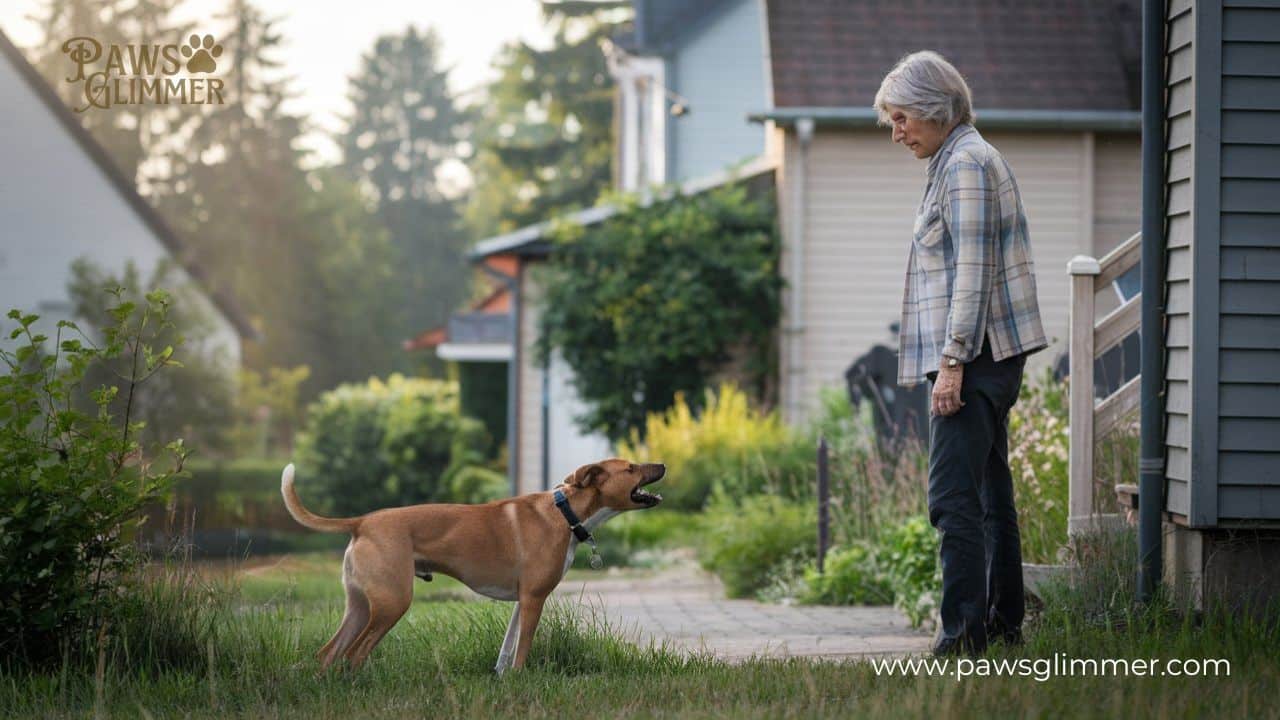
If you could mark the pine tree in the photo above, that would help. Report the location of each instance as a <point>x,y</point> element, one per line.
<point>404,127</point>
<point>545,141</point>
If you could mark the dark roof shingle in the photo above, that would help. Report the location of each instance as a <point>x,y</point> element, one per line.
<point>1063,55</point>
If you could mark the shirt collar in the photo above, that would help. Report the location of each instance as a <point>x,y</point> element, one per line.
<point>939,158</point>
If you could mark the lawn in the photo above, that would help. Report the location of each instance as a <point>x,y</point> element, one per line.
<point>437,663</point>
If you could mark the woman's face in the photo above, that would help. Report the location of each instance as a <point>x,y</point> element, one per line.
<point>921,137</point>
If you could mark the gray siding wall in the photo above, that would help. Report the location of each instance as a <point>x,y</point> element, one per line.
<point>720,68</point>
<point>1248,391</point>
<point>1179,76</point>
<point>1222,299</point>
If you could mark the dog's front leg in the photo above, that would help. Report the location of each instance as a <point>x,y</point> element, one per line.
<point>530,613</point>
<point>508,651</point>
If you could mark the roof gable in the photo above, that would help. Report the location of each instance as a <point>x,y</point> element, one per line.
<point>125,187</point>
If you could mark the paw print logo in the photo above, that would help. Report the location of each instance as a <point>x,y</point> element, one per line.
<point>201,54</point>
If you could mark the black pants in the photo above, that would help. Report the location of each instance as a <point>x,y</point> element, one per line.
<point>971,505</point>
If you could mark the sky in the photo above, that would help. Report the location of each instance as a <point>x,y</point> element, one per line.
<point>325,40</point>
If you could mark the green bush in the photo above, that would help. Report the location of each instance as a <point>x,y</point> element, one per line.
<point>72,483</point>
<point>849,576</point>
<point>384,444</point>
<point>655,300</point>
<point>900,568</point>
<point>908,559</point>
<point>475,484</point>
<point>743,544</point>
<point>727,448</point>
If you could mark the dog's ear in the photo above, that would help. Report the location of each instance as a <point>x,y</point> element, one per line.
<point>586,475</point>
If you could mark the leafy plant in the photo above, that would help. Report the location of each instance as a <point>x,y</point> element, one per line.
<point>650,303</point>
<point>386,443</point>
<point>73,482</point>
<point>849,577</point>
<point>194,398</point>
<point>475,484</point>
<point>744,543</point>
<point>907,557</point>
<point>900,568</point>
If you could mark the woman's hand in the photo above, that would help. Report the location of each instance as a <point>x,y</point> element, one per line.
<point>946,391</point>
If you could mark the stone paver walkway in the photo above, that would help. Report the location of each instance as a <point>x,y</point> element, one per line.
<point>686,607</point>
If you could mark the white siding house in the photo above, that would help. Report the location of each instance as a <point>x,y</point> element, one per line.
<point>62,199</point>
<point>859,192</point>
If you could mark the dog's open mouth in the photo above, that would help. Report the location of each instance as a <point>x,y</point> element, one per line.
<point>644,497</point>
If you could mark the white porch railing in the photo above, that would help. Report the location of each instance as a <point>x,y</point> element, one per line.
<point>1090,420</point>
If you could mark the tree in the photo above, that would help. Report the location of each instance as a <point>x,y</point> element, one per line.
<point>301,250</point>
<point>655,300</point>
<point>405,126</point>
<point>545,139</point>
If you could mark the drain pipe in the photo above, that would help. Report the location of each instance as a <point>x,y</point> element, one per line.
<point>795,349</point>
<point>1151,478</point>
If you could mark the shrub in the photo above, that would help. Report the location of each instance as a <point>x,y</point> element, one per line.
<point>908,559</point>
<point>385,444</point>
<point>728,449</point>
<point>849,576</point>
<point>73,483</point>
<point>744,543</point>
<point>901,568</point>
<point>474,484</point>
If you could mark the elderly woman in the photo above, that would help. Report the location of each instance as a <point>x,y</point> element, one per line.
<point>969,319</point>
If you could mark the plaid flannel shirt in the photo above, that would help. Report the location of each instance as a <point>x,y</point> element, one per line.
<point>970,273</point>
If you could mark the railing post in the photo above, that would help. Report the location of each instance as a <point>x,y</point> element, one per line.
<point>824,492</point>
<point>1083,270</point>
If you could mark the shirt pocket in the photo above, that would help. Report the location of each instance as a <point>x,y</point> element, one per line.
<point>929,236</point>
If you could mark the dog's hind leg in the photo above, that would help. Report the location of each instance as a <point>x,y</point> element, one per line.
<point>385,610</point>
<point>386,577</point>
<point>508,650</point>
<point>354,618</point>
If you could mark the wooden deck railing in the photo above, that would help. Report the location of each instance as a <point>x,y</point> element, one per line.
<point>1091,419</point>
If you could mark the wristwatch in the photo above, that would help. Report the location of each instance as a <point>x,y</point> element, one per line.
<point>951,362</point>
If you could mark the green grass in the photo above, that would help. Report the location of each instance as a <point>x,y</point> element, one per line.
<point>437,663</point>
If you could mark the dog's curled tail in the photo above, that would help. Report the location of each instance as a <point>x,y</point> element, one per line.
<point>305,516</point>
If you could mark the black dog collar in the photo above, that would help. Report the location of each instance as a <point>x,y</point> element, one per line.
<point>580,532</point>
<point>575,524</point>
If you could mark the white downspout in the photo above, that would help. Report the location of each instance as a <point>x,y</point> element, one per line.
<point>795,366</point>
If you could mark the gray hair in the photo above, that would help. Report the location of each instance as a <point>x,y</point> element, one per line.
<point>928,87</point>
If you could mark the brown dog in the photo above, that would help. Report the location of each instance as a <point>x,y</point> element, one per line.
<point>514,549</point>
